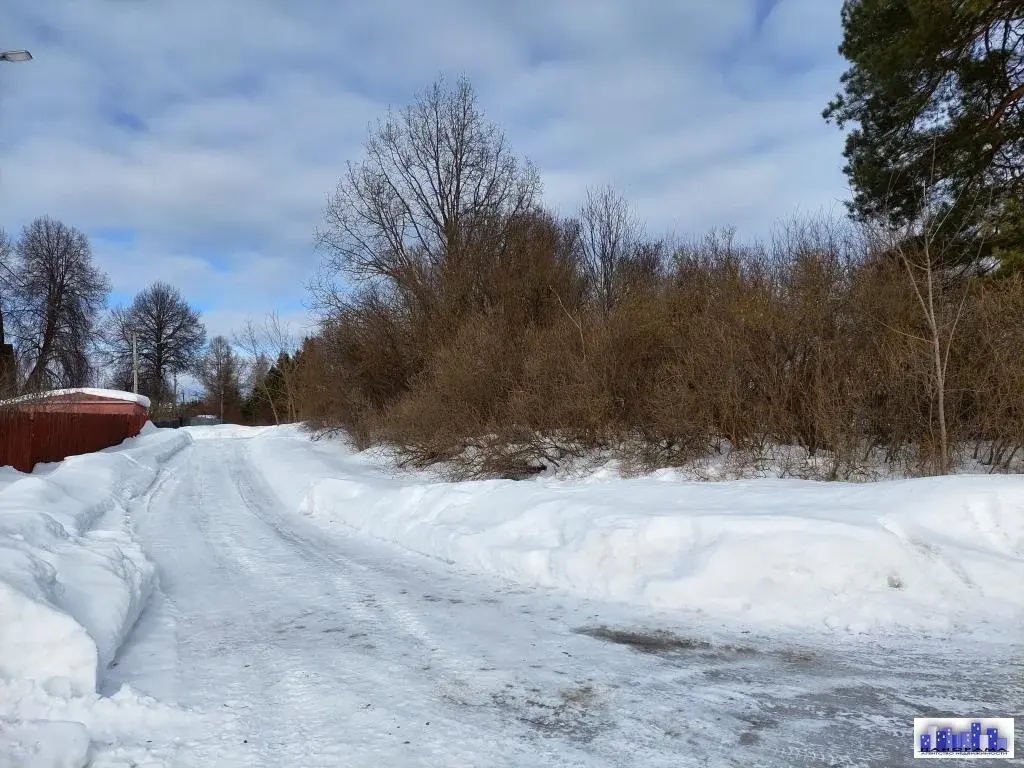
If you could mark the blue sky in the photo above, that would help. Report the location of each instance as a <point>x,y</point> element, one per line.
<point>196,142</point>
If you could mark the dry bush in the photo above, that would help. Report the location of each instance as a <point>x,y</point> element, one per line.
<point>992,372</point>
<point>885,316</point>
<point>363,360</point>
<point>556,393</point>
<point>536,275</point>
<point>448,384</point>
<point>629,344</point>
<point>730,296</point>
<point>458,396</point>
<point>479,331</point>
<point>324,404</point>
<point>801,357</point>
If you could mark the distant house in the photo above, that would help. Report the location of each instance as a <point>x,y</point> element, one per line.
<point>204,420</point>
<point>50,426</point>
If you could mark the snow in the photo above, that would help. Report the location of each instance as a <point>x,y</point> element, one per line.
<point>72,579</point>
<point>8,475</point>
<point>239,596</point>
<point>226,431</point>
<point>43,730</point>
<point>44,744</point>
<point>109,394</point>
<point>789,555</point>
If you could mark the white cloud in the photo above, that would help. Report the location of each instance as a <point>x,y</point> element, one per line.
<point>215,130</point>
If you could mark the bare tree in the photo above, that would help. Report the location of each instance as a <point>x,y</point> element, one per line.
<point>169,335</point>
<point>275,341</point>
<point>939,278</point>
<point>941,296</point>
<point>257,343</point>
<point>58,294</point>
<point>609,237</point>
<point>250,339</point>
<point>435,180</point>
<point>220,371</point>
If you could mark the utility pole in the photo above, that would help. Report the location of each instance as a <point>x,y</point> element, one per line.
<point>135,362</point>
<point>8,363</point>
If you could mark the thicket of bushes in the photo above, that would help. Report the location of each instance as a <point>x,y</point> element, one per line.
<point>810,340</point>
<point>482,332</point>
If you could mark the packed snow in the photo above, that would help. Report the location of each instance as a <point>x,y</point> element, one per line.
<point>238,596</point>
<point>762,554</point>
<point>109,394</point>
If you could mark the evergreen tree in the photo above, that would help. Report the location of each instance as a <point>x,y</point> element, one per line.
<point>936,94</point>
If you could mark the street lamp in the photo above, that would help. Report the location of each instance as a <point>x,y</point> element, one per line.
<point>15,56</point>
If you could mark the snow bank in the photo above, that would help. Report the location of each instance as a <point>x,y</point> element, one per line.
<point>39,730</point>
<point>938,554</point>
<point>71,590</point>
<point>44,744</point>
<point>8,475</point>
<point>110,394</point>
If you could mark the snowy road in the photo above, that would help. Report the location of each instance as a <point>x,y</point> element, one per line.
<point>299,646</point>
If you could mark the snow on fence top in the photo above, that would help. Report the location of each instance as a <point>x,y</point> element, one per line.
<point>108,394</point>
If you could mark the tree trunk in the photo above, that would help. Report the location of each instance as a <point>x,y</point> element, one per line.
<point>7,370</point>
<point>270,399</point>
<point>940,382</point>
<point>940,358</point>
<point>291,408</point>
<point>35,377</point>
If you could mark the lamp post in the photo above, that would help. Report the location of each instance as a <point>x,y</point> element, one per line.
<point>7,364</point>
<point>135,362</point>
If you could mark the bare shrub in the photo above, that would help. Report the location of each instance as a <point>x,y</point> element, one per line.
<point>992,372</point>
<point>459,395</point>
<point>363,361</point>
<point>493,338</point>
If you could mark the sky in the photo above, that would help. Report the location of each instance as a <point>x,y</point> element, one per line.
<point>196,142</point>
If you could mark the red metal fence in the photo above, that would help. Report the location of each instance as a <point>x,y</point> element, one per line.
<point>30,437</point>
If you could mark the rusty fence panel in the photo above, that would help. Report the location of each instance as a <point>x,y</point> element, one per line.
<point>16,439</point>
<point>28,438</point>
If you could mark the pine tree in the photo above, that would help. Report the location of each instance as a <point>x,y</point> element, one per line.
<point>936,94</point>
